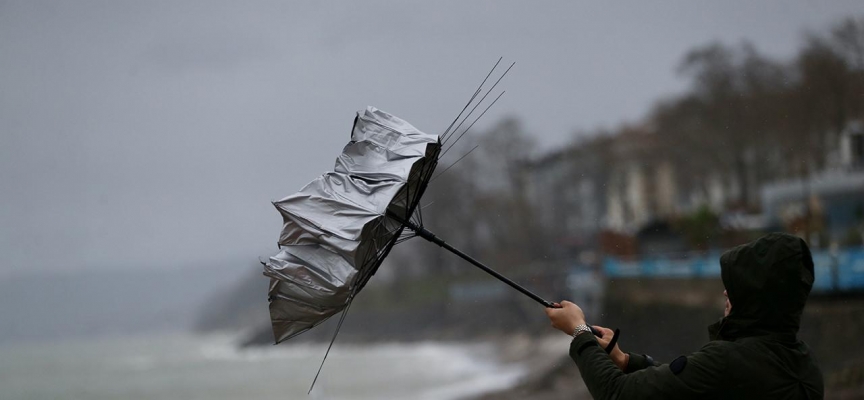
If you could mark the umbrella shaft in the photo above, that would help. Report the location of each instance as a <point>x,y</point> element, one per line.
<point>425,234</point>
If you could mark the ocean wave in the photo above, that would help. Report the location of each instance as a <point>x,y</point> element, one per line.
<point>423,370</point>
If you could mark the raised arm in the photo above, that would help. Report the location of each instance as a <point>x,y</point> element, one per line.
<point>690,377</point>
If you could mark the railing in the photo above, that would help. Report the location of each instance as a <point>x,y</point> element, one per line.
<point>842,270</point>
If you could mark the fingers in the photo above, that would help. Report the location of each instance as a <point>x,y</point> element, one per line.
<point>605,332</point>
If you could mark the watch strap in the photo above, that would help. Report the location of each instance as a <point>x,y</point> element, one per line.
<point>580,329</point>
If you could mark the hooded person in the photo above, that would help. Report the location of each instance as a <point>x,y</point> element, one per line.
<point>753,353</point>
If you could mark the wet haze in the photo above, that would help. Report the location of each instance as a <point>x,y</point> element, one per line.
<point>154,134</point>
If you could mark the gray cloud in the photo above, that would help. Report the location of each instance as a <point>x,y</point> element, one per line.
<point>153,134</point>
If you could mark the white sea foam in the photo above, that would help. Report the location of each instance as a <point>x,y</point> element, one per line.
<point>424,370</point>
<point>212,367</point>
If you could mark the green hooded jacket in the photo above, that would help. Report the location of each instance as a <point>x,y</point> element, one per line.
<point>754,353</point>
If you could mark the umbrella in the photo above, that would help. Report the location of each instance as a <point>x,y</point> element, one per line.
<point>338,229</point>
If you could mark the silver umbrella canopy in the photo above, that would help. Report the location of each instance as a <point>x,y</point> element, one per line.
<point>338,228</point>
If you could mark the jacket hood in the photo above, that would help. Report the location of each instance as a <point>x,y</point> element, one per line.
<point>767,282</point>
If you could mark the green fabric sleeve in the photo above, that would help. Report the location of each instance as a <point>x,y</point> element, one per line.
<point>702,376</point>
<point>638,362</point>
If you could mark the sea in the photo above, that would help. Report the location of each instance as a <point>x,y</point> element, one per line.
<point>186,366</point>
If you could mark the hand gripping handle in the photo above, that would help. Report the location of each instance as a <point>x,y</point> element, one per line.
<point>595,331</point>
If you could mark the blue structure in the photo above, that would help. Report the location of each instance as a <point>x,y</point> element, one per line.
<point>840,195</point>
<point>843,271</point>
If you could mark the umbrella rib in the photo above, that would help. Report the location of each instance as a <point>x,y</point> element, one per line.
<point>447,132</point>
<point>372,255</point>
<point>414,214</point>
<point>444,135</point>
<point>472,124</point>
<point>405,239</point>
<point>338,327</point>
<point>403,236</point>
<point>425,174</point>
<point>407,197</point>
<point>481,100</point>
<point>363,275</point>
<point>379,255</point>
<point>384,235</point>
<point>454,163</point>
<point>431,170</point>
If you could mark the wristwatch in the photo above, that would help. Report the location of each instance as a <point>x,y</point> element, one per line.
<point>580,329</point>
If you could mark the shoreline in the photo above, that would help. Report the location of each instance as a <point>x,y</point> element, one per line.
<point>552,375</point>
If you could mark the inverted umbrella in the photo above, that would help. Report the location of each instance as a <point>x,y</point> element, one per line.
<point>338,229</point>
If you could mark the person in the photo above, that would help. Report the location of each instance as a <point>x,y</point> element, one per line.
<point>753,352</point>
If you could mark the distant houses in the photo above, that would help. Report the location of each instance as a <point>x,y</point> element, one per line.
<point>630,195</point>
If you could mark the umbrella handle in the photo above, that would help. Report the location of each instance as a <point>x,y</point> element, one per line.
<point>425,234</point>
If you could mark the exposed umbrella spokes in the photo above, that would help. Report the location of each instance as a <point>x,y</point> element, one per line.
<point>339,228</point>
<point>335,231</point>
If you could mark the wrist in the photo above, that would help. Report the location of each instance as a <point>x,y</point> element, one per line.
<point>580,330</point>
<point>622,360</point>
<point>577,323</point>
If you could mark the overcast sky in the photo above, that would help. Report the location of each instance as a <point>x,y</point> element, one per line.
<point>154,134</point>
